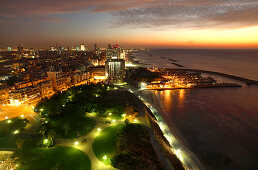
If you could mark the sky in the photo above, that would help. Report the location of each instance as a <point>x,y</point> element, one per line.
<point>130,23</point>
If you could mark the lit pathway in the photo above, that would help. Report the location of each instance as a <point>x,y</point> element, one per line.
<point>87,146</point>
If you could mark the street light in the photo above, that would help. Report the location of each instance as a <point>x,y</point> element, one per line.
<point>45,141</point>
<point>9,121</point>
<point>99,129</point>
<point>76,143</point>
<point>105,157</point>
<point>110,114</point>
<point>16,132</point>
<point>114,120</point>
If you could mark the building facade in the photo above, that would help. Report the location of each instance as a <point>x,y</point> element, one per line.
<point>115,65</point>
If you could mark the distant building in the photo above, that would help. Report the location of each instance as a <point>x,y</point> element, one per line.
<point>77,48</point>
<point>20,49</point>
<point>109,46</point>
<point>115,65</point>
<point>82,47</point>
<point>52,48</point>
<point>9,48</point>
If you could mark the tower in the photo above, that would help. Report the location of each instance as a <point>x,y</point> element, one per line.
<point>82,47</point>
<point>115,65</point>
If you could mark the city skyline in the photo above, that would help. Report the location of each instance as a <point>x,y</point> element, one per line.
<point>147,24</point>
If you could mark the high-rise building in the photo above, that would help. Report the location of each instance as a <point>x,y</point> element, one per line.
<point>20,49</point>
<point>109,46</point>
<point>95,47</point>
<point>77,48</point>
<point>9,48</point>
<point>82,47</point>
<point>115,65</point>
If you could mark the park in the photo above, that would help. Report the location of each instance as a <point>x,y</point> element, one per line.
<point>87,127</point>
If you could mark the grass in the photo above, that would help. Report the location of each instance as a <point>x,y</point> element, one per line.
<point>105,143</point>
<point>7,138</point>
<point>58,158</point>
<point>7,142</point>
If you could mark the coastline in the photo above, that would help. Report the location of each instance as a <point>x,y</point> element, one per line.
<point>163,115</point>
<point>173,148</point>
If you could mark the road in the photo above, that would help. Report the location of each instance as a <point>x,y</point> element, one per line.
<point>10,111</point>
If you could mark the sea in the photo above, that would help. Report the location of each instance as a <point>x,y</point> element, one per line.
<point>219,125</point>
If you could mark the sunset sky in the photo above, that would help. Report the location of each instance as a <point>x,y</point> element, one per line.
<point>130,23</point>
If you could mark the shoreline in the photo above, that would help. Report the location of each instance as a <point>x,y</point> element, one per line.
<point>176,152</point>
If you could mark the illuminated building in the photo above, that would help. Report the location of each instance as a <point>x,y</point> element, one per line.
<point>115,65</point>
<point>9,48</point>
<point>55,78</point>
<point>21,95</point>
<point>77,48</point>
<point>82,47</point>
<point>52,48</point>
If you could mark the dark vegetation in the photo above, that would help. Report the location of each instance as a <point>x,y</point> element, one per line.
<point>135,76</point>
<point>7,128</point>
<point>65,112</point>
<point>134,150</point>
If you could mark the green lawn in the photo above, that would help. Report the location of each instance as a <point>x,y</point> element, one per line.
<point>105,143</point>
<point>58,158</point>
<point>7,127</point>
<point>7,142</point>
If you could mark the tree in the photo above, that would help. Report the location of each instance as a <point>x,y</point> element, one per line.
<point>129,110</point>
<point>66,127</point>
<point>19,143</point>
<point>43,130</point>
<point>126,122</point>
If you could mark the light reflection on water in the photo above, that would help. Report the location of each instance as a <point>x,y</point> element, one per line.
<point>219,125</point>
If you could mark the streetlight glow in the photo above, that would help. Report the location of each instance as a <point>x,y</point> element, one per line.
<point>16,132</point>
<point>45,141</point>
<point>99,129</point>
<point>76,143</point>
<point>9,121</point>
<point>105,157</point>
<point>114,120</point>
<point>110,114</point>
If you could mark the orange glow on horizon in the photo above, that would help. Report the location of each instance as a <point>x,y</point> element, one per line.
<point>187,38</point>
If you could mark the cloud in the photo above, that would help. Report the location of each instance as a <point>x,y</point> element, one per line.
<point>153,14</point>
<point>17,8</point>
<point>197,14</point>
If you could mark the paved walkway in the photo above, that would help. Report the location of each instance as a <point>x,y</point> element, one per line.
<point>87,146</point>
